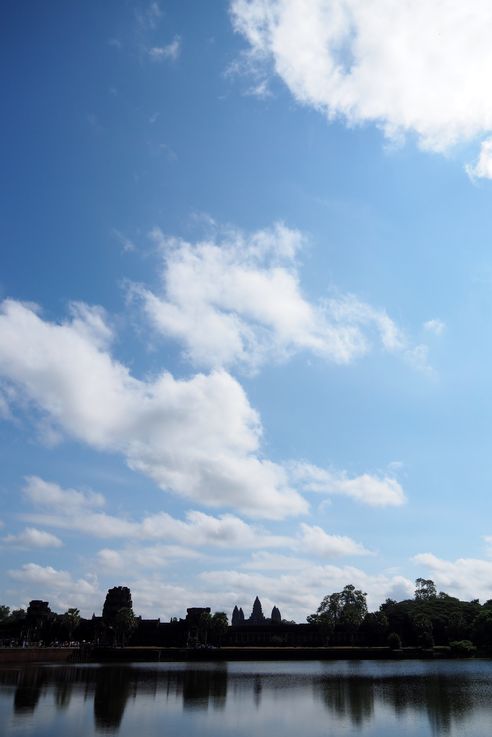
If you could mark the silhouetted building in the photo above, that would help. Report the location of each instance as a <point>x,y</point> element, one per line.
<point>276,617</point>
<point>257,616</point>
<point>119,597</point>
<point>237,616</point>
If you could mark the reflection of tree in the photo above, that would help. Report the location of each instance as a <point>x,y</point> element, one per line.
<point>110,697</point>
<point>443,693</point>
<point>201,687</point>
<point>446,699</point>
<point>63,694</point>
<point>257,689</point>
<point>28,690</point>
<point>348,697</point>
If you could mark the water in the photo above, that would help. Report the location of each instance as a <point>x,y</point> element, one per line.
<point>380,698</point>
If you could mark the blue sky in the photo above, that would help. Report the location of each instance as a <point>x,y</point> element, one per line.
<point>246,290</point>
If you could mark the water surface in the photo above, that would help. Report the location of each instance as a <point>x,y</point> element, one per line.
<point>414,698</point>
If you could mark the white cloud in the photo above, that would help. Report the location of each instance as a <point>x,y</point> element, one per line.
<point>199,438</point>
<point>466,578</point>
<point>70,502</point>
<point>170,51</point>
<point>376,491</point>
<point>315,540</point>
<point>411,66</point>
<point>134,558</point>
<point>58,587</point>
<point>75,510</point>
<point>435,326</point>
<point>297,591</point>
<point>33,538</point>
<point>483,167</point>
<point>236,299</point>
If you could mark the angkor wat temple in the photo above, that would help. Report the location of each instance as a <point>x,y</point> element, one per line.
<point>256,617</point>
<point>40,624</point>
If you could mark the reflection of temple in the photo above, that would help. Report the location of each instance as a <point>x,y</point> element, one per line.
<point>357,694</point>
<point>111,693</point>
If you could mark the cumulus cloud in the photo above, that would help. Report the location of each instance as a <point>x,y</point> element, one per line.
<point>397,64</point>
<point>70,501</point>
<point>315,540</point>
<point>151,556</point>
<point>199,437</point>
<point>298,590</point>
<point>236,300</point>
<point>58,586</point>
<point>466,578</point>
<point>374,490</point>
<point>76,510</point>
<point>33,538</point>
<point>80,511</point>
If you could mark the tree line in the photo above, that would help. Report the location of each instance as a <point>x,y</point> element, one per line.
<point>428,619</point>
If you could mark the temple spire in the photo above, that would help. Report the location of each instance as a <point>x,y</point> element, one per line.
<point>257,616</point>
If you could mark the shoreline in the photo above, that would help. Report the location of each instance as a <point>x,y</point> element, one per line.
<point>167,655</point>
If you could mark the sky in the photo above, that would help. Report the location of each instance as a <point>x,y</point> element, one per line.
<point>246,299</point>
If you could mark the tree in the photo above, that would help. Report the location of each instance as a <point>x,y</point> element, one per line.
<point>71,620</point>
<point>482,629</point>
<point>117,599</point>
<point>374,628</point>
<point>343,610</point>
<point>4,612</point>
<point>394,642</point>
<point>426,590</point>
<point>424,630</point>
<point>218,627</point>
<point>124,624</point>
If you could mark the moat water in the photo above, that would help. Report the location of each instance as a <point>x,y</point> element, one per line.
<point>264,699</point>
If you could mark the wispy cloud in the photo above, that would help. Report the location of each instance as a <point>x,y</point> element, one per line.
<point>170,51</point>
<point>126,244</point>
<point>148,16</point>
<point>435,326</point>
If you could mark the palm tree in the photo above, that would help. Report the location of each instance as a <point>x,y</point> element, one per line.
<point>71,620</point>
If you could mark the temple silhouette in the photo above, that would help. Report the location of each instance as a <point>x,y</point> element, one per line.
<point>198,629</point>
<point>256,617</point>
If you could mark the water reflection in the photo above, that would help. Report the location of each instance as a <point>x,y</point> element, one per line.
<point>351,698</point>
<point>434,699</point>
<point>28,691</point>
<point>112,689</point>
